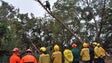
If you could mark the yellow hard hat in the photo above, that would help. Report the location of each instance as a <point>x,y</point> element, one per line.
<point>56,48</point>
<point>98,44</point>
<point>94,43</point>
<point>43,49</point>
<point>85,45</point>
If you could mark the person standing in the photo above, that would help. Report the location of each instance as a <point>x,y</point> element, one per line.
<point>28,58</point>
<point>56,55</point>
<point>91,52</point>
<point>68,56</point>
<point>96,53</point>
<point>76,53</point>
<point>102,53</point>
<point>44,57</point>
<point>85,53</point>
<point>15,56</point>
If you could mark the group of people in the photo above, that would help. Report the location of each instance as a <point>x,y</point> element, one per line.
<point>28,58</point>
<point>90,53</point>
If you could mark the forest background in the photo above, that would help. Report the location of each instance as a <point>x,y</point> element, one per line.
<point>90,20</point>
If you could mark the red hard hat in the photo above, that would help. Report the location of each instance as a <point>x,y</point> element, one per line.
<point>15,49</point>
<point>74,45</point>
<point>89,44</point>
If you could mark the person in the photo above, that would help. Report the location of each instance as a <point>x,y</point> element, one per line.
<point>68,56</point>
<point>15,56</point>
<point>96,53</point>
<point>85,53</point>
<point>47,5</point>
<point>91,52</point>
<point>56,55</point>
<point>28,58</point>
<point>102,54</point>
<point>44,57</point>
<point>76,53</point>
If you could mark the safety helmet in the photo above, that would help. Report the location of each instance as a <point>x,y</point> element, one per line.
<point>43,49</point>
<point>98,44</point>
<point>94,43</point>
<point>15,49</point>
<point>56,48</point>
<point>74,45</point>
<point>28,50</point>
<point>85,45</point>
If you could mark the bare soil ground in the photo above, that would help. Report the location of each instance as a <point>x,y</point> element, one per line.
<point>108,59</point>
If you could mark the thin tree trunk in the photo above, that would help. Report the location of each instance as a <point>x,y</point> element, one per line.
<point>60,22</point>
<point>102,21</point>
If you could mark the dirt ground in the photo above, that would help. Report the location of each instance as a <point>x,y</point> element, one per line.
<point>108,59</point>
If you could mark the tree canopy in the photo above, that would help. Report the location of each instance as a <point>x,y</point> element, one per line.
<point>90,20</point>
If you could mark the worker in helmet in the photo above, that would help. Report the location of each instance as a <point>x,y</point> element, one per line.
<point>85,53</point>
<point>96,53</point>
<point>28,58</point>
<point>44,57</point>
<point>76,53</point>
<point>15,56</point>
<point>56,55</point>
<point>102,54</point>
<point>68,56</point>
<point>47,6</point>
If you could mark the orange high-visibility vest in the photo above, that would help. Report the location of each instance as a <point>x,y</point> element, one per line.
<point>14,58</point>
<point>28,59</point>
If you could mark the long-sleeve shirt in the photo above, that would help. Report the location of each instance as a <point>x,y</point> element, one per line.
<point>44,58</point>
<point>57,57</point>
<point>76,54</point>
<point>28,59</point>
<point>68,56</point>
<point>85,54</point>
<point>14,58</point>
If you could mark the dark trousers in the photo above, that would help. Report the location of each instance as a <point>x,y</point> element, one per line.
<point>96,60</point>
<point>75,62</point>
<point>86,62</point>
<point>102,60</point>
<point>91,61</point>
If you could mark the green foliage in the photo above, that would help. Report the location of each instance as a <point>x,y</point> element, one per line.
<point>2,29</point>
<point>89,19</point>
<point>21,31</point>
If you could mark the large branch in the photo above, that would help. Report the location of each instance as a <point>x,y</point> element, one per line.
<point>103,18</point>
<point>57,19</point>
<point>96,24</point>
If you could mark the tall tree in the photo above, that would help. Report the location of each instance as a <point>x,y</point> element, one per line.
<point>87,18</point>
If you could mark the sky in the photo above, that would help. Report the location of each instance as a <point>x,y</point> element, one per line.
<point>29,6</point>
